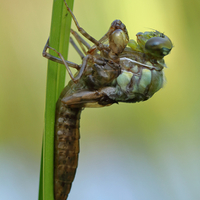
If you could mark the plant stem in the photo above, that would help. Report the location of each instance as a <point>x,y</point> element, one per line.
<point>59,39</point>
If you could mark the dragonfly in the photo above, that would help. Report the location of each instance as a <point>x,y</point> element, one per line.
<point>115,69</point>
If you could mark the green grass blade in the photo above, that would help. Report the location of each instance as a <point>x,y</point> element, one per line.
<point>59,39</point>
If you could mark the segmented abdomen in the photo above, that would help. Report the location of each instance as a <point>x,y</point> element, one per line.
<point>66,148</point>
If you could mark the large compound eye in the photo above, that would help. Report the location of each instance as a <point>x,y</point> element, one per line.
<point>159,46</point>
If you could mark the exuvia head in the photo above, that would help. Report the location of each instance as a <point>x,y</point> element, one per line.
<point>118,38</point>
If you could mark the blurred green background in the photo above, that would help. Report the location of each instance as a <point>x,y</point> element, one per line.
<point>143,151</point>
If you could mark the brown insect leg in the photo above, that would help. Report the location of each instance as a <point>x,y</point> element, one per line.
<point>84,64</point>
<point>80,29</point>
<point>55,59</point>
<point>81,41</point>
<point>76,48</point>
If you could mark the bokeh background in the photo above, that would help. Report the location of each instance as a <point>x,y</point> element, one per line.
<point>143,151</point>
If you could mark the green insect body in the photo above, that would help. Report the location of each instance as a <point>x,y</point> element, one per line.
<point>138,84</point>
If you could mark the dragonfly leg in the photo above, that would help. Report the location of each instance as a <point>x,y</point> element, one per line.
<point>55,59</point>
<point>80,29</point>
<point>81,41</point>
<point>84,64</point>
<point>76,48</point>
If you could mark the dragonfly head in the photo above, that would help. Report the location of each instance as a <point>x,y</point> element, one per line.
<point>154,43</point>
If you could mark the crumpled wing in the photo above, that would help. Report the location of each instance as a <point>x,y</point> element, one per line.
<point>93,99</point>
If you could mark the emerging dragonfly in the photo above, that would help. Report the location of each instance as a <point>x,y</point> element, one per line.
<point>117,71</point>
